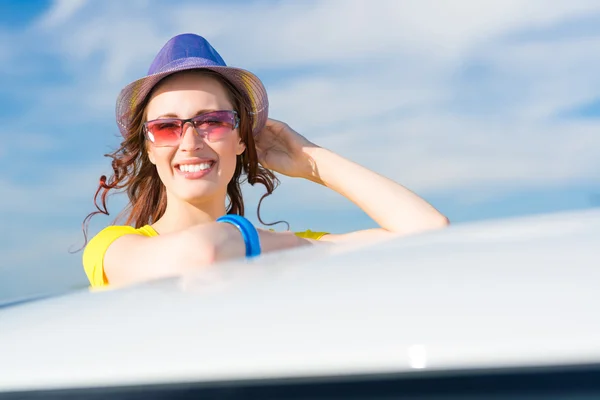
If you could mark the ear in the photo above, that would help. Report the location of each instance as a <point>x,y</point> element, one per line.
<point>150,154</point>
<point>240,147</point>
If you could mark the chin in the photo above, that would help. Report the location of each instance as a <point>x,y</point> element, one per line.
<point>199,192</point>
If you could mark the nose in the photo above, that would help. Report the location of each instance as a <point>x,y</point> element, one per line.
<point>190,139</point>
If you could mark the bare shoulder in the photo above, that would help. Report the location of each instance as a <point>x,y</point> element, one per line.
<point>109,250</point>
<point>123,246</point>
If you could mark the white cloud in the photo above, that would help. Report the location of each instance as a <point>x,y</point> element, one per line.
<point>61,188</point>
<point>301,33</point>
<point>324,103</point>
<point>60,12</point>
<point>284,34</point>
<point>543,77</point>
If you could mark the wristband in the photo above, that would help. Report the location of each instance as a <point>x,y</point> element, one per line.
<point>249,232</point>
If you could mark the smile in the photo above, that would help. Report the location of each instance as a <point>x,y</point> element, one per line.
<point>195,170</point>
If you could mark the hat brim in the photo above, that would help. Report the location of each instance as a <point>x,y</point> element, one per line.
<point>133,94</point>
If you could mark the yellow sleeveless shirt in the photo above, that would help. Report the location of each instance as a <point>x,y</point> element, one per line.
<point>93,255</point>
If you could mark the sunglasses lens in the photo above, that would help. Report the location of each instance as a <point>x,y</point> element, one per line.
<point>164,132</point>
<point>215,125</point>
<point>212,126</point>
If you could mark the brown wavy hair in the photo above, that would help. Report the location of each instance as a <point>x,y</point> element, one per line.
<point>134,174</point>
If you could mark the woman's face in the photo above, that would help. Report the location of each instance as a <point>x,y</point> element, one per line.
<point>196,169</point>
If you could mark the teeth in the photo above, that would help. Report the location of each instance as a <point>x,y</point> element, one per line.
<point>194,167</point>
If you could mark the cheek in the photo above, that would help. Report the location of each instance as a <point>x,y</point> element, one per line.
<point>227,158</point>
<point>161,158</point>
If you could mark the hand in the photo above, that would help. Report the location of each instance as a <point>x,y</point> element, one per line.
<point>282,150</point>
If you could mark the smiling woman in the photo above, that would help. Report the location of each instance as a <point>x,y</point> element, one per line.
<point>193,128</point>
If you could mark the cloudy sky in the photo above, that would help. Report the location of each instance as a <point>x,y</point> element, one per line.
<point>487,108</point>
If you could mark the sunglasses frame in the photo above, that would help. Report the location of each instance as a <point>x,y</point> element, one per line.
<point>236,120</point>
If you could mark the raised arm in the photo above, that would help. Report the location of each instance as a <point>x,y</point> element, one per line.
<point>396,209</point>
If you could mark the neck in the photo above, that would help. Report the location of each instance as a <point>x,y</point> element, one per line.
<point>181,215</point>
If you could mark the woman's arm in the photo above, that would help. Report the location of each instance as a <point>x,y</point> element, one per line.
<point>395,208</point>
<point>133,258</point>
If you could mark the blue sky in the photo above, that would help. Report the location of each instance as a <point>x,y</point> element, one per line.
<point>486,112</point>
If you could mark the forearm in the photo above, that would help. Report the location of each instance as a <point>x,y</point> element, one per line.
<point>394,207</point>
<point>133,258</point>
<point>275,241</point>
<point>230,243</point>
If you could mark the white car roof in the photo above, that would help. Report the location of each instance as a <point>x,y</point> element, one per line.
<point>507,293</point>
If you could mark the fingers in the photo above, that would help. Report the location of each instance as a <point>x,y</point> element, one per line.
<point>276,126</point>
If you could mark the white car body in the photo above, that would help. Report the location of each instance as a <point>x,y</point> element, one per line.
<point>494,295</point>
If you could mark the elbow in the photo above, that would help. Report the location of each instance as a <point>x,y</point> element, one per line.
<point>436,223</point>
<point>430,224</point>
<point>440,222</point>
<point>444,222</point>
<point>209,254</point>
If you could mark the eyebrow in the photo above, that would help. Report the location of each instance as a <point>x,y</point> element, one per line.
<point>173,115</point>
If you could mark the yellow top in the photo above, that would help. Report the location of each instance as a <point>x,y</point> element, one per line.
<point>93,255</point>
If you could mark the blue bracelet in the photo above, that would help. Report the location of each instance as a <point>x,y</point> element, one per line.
<point>249,232</point>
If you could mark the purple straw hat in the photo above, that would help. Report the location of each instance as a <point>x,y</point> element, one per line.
<point>185,52</point>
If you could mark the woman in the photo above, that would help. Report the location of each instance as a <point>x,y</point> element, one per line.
<point>191,127</point>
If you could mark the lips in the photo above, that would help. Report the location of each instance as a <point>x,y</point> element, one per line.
<point>194,169</point>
